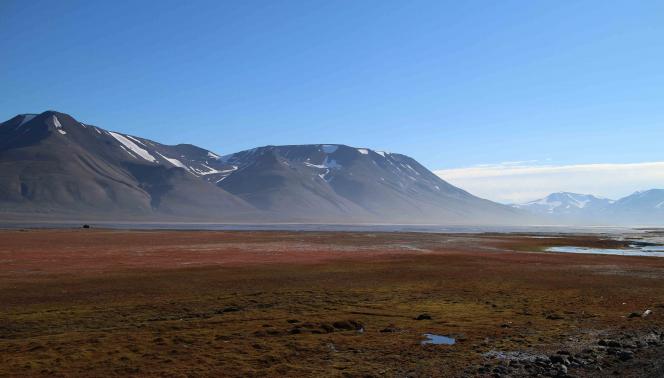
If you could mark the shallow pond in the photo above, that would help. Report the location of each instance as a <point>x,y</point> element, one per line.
<point>438,339</point>
<point>634,250</point>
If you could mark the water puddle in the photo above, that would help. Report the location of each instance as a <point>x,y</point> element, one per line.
<point>634,250</point>
<point>438,339</point>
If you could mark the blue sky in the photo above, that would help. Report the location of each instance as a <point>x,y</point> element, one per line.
<point>453,84</point>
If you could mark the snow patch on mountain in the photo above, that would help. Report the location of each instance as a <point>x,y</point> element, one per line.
<point>326,164</point>
<point>135,140</point>
<point>209,170</point>
<point>319,166</point>
<point>175,162</point>
<point>329,148</point>
<point>56,122</point>
<point>564,202</point>
<point>133,147</point>
<point>26,118</point>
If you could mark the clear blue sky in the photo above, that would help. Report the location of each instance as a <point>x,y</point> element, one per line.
<point>452,84</point>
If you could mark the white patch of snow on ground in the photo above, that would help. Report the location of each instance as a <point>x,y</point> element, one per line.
<point>213,155</point>
<point>26,118</point>
<point>56,122</point>
<point>320,166</point>
<point>382,153</point>
<point>233,169</point>
<point>62,132</point>
<point>328,148</point>
<point>363,151</point>
<point>135,140</point>
<point>412,169</point>
<point>97,130</point>
<point>209,171</point>
<point>175,162</point>
<point>82,124</point>
<point>322,175</point>
<point>326,164</point>
<point>227,173</point>
<point>129,152</point>
<point>133,147</point>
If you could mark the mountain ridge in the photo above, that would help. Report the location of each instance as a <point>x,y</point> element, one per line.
<point>53,165</point>
<point>644,207</point>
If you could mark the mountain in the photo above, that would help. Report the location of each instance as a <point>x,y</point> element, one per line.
<point>350,183</point>
<point>566,204</point>
<point>640,208</point>
<point>53,166</point>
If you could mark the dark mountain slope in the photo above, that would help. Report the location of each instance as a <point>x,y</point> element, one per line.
<point>298,181</point>
<point>52,164</point>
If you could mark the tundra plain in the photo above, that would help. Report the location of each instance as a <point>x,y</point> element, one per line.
<point>100,302</point>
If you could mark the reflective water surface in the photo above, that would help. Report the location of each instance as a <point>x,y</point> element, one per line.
<point>438,339</point>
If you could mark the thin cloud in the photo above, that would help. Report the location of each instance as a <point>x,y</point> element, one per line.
<point>515,182</point>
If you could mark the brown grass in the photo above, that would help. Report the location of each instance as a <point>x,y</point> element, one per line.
<point>105,303</point>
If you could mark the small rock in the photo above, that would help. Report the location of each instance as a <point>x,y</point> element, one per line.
<point>423,317</point>
<point>347,325</point>
<point>500,369</point>
<point>562,369</point>
<point>614,344</point>
<point>231,309</point>
<point>646,313</point>
<point>559,359</point>
<point>625,355</point>
<point>634,314</point>
<point>389,329</point>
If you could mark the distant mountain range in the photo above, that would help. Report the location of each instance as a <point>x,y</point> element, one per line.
<point>640,208</point>
<point>55,167</point>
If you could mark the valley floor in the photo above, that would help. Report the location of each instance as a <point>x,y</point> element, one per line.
<point>212,303</point>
